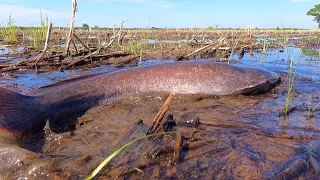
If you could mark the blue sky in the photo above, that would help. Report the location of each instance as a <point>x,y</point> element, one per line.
<point>164,13</point>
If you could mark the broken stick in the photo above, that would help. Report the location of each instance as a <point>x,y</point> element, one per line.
<point>74,10</point>
<point>157,120</point>
<point>40,56</point>
<point>177,149</point>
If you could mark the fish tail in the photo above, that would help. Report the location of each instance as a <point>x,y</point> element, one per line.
<point>21,114</point>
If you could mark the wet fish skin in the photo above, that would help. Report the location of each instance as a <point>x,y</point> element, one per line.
<point>25,113</point>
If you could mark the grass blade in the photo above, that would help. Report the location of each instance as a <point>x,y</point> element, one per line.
<point>118,151</point>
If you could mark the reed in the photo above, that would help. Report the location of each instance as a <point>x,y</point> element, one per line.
<point>292,70</point>
<point>311,109</point>
<point>38,34</point>
<point>9,31</point>
<point>291,77</point>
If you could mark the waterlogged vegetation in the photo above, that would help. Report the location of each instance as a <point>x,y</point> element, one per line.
<point>292,53</point>
<point>233,131</point>
<point>9,31</point>
<point>38,34</point>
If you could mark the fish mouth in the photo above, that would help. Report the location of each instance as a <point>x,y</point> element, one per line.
<point>263,87</point>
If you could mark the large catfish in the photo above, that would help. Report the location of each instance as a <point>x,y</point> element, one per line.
<point>28,113</point>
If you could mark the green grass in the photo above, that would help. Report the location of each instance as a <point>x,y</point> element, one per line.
<point>293,66</point>
<point>312,110</point>
<point>291,77</point>
<point>310,52</point>
<point>9,31</point>
<point>118,151</point>
<point>132,46</point>
<point>38,34</point>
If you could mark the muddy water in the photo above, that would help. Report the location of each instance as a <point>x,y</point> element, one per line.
<point>251,139</point>
<point>240,137</point>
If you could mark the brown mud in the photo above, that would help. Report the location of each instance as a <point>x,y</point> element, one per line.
<point>239,137</point>
<point>229,137</point>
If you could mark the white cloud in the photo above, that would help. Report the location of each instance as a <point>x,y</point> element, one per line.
<point>25,16</point>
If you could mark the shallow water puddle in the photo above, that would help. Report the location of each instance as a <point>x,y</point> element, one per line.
<point>241,137</point>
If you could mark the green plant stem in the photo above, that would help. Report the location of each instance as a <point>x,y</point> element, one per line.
<point>118,151</point>
<point>290,86</point>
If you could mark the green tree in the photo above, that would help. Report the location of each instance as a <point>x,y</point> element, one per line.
<point>315,12</point>
<point>85,26</point>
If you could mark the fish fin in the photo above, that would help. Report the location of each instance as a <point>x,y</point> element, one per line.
<point>21,114</point>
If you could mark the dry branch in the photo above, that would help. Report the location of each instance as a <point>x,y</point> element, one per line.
<point>179,58</point>
<point>177,149</point>
<point>119,33</point>
<point>157,120</point>
<point>40,56</point>
<point>94,57</point>
<point>74,10</point>
<point>83,59</point>
<point>81,41</point>
<point>198,50</point>
<point>115,36</point>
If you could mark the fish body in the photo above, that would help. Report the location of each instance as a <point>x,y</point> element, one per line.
<point>27,113</point>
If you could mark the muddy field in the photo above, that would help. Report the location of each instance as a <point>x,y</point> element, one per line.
<point>227,137</point>
<point>238,137</point>
<point>93,48</point>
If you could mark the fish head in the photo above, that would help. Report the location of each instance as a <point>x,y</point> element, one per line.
<point>259,81</point>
